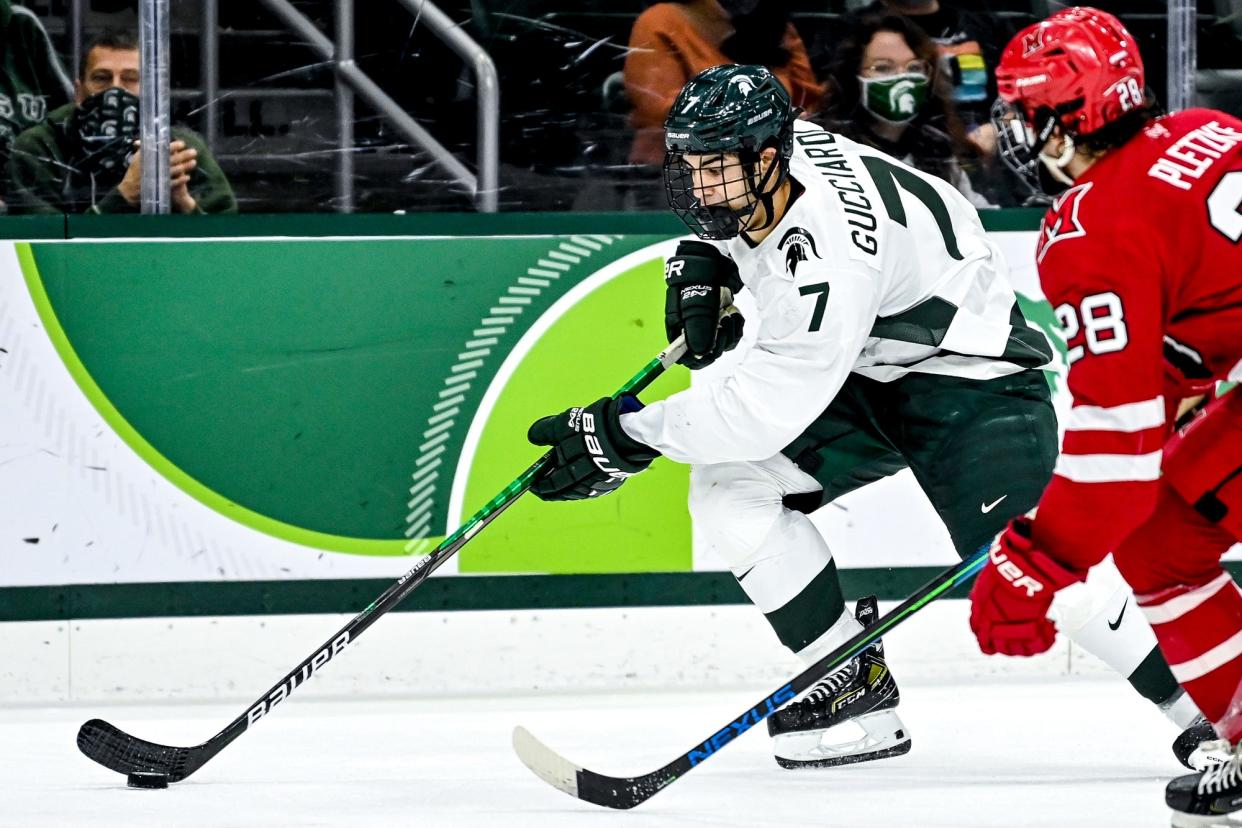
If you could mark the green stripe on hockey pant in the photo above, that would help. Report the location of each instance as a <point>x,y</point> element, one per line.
<point>811,612</point>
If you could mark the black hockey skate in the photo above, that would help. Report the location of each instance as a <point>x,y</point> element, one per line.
<point>862,692</point>
<point>1198,748</point>
<point>1207,797</point>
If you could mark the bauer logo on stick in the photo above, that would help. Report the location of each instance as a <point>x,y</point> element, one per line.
<point>292,683</point>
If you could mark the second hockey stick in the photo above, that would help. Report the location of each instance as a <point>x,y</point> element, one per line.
<point>119,751</point>
<point>628,791</point>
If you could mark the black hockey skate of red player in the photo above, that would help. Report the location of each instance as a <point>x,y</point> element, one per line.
<point>1139,255</point>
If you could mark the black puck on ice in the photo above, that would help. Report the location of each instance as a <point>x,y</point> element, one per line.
<point>142,779</point>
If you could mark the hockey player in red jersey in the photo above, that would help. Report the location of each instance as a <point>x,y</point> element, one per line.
<point>1139,255</point>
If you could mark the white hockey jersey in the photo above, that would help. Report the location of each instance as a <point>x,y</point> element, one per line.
<point>875,268</point>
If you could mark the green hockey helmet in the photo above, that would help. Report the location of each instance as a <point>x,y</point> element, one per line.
<point>734,110</point>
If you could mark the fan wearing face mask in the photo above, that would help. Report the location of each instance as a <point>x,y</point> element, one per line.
<point>887,92</point>
<point>673,42</point>
<point>86,158</point>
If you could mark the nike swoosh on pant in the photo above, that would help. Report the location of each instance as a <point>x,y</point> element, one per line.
<point>987,507</point>
<point>1113,625</point>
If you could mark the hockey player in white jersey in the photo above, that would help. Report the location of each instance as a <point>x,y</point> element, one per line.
<point>888,337</point>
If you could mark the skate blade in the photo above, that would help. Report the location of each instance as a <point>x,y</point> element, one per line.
<point>884,736</point>
<point>1180,820</point>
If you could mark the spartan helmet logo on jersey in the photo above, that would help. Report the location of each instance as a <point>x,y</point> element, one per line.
<point>799,242</point>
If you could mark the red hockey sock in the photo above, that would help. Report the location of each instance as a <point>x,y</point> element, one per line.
<point>1200,632</point>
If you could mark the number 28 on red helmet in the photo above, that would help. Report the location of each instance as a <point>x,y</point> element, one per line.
<point>1079,69</point>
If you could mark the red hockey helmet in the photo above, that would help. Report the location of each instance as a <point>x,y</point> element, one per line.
<point>1079,69</point>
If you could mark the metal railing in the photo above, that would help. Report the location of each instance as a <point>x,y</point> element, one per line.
<point>354,80</point>
<point>1182,57</point>
<point>155,106</point>
<point>486,91</point>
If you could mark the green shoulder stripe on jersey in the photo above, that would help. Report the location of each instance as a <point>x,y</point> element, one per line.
<point>924,324</point>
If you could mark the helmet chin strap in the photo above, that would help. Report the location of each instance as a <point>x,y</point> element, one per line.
<point>1056,166</point>
<point>764,196</point>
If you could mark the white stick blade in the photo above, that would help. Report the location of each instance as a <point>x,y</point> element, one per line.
<point>546,763</point>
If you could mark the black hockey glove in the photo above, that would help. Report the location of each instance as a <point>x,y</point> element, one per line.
<point>591,454</point>
<point>695,275</point>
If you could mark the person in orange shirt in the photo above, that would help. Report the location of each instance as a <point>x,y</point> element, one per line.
<point>672,42</point>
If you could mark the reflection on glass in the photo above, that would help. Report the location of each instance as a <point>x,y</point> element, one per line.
<point>33,82</point>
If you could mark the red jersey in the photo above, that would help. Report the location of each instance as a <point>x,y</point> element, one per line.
<point>1142,261</point>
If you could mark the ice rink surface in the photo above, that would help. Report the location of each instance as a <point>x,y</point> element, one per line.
<point>1010,752</point>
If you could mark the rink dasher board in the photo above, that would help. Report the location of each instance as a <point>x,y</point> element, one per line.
<point>118,470</point>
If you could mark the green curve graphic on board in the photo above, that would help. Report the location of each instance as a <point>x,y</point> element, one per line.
<point>288,384</point>
<point>586,354</point>
<point>158,461</point>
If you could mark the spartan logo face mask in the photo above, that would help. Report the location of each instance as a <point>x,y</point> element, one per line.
<point>896,99</point>
<point>105,126</point>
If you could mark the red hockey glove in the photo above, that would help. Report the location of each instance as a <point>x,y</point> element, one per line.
<point>1010,599</point>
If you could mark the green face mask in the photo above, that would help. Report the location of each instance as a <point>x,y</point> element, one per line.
<point>896,99</point>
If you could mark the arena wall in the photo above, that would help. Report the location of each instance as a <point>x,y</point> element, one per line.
<point>223,438</point>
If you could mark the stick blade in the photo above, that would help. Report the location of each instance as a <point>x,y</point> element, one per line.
<point>117,750</point>
<point>617,792</point>
<point>546,763</point>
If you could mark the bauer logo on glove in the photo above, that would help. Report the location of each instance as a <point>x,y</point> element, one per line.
<point>1011,572</point>
<point>1010,599</point>
<point>697,276</point>
<point>591,453</point>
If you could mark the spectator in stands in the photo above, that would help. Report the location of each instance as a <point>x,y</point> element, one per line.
<point>32,81</point>
<point>888,91</point>
<point>673,42</point>
<point>970,45</point>
<point>85,158</point>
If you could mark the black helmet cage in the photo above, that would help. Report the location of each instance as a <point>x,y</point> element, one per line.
<point>1019,141</point>
<point>1015,140</point>
<point>721,221</point>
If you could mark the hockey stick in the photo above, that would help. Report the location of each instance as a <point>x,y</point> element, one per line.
<point>117,750</point>
<point>628,791</point>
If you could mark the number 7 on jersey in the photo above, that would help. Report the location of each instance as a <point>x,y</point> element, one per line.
<point>821,302</point>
